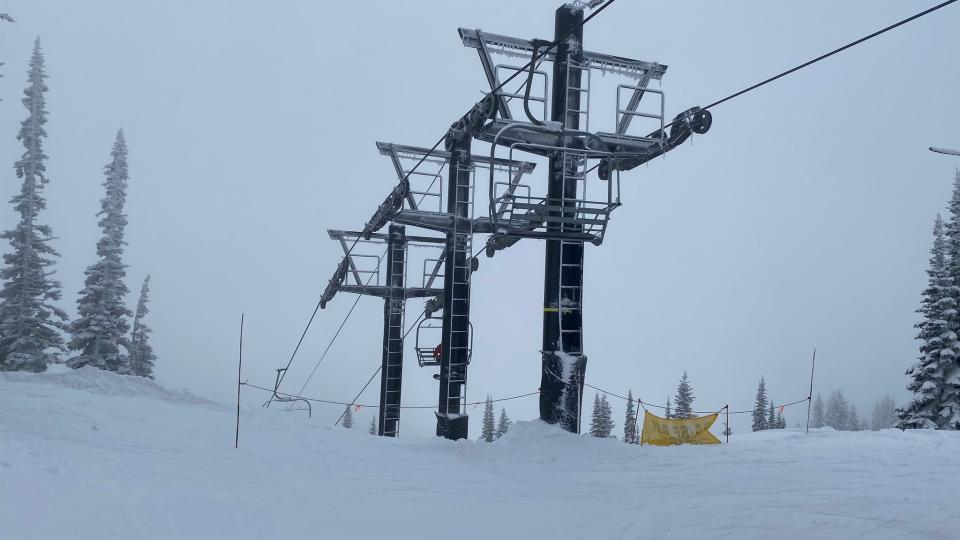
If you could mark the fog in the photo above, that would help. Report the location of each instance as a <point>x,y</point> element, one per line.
<point>801,220</point>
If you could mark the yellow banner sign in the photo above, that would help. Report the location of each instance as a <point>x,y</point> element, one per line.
<point>666,431</point>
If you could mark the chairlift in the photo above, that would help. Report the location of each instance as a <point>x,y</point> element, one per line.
<point>429,339</point>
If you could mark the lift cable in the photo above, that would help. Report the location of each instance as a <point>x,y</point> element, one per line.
<point>437,144</point>
<point>826,55</point>
<point>355,302</point>
<point>817,59</point>
<point>332,402</point>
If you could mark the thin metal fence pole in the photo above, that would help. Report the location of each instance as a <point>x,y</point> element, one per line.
<point>236,440</point>
<point>813,364</point>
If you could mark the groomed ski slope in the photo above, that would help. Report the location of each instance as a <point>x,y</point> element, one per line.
<point>93,455</point>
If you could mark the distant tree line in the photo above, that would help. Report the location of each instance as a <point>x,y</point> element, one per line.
<point>34,330</point>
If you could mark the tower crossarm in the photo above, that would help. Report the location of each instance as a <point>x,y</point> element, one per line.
<point>341,280</point>
<point>488,43</point>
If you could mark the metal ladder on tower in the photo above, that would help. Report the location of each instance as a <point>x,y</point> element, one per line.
<point>396,305</point>
<point>571,252</point>
<point>459,337</point>
<point>579,94</point>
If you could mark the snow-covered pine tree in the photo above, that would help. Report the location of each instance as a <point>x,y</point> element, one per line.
<point>666,411</point>
<point>30,324</point>
<point>595,417</point>
<point>838,411</point>
<point>101,328</point>
<point>373,426</point>
<point>683,401</point>
<point>949,414</point>
<point>630,421</point>
<point>937,337</point>
<point>884,414</point>
<point>771,417</point>
<point>781,422</point>
<point>141,360</point>
<point>487,430</point>
<point>818,421</point>
<point>503,424</point>
<point>853,421</point>
<point>606,416</point>
<point>347,421</point>
<point>760,407</point>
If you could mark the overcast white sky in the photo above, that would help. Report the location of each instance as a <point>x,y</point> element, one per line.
<point>801,219</point>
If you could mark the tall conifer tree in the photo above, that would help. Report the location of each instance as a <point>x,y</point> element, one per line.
<point>141,359</point>
<point>347,421</point>
<point>817,421</point>
<point>503,425</point>
<point>760,407</point>
<point>949,414</point>
<point>488,430</point>
<point>938,340</point>
<point>101,328</point>
<point>630,421</point>
<point>30,323</point>
<point>683,401</point>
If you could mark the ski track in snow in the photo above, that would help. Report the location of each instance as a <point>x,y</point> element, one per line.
<point>94,455</point>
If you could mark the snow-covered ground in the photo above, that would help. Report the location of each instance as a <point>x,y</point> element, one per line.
<point>92,455</point>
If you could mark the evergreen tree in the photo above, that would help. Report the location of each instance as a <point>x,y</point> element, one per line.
<point>666,411</point>
<point>938,339</point>
<point>760,407</point>
<point>838,411</point>
<point>503,425</point>
<point>347,421</point>
<point>949,414</point>
<point>101,329</point>
<point>683,401</point>
<point>487,431</point>
<point>595,417</point>
<point>630,421</point>
<point>884,414</point>
<point>727,431</point>
<point>141,359</point>
<point>601,421</point>
<point>818,421</point>
<point>853,422</point>
<point>373,426</point>
<point>771,418</point>
<point>30,324</point>
<point>607,416</point>
<point>781,421</point>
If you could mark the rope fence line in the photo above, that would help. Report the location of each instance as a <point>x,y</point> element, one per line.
<point>332,402</point>
<point>645,404</point>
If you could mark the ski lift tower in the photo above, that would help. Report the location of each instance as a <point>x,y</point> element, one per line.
<point>565,217</point>
<point>436,192</point>
<point>360,273</point>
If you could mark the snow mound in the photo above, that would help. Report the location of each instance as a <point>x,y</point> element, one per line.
<point>88,455</point>
<point>107,383</point>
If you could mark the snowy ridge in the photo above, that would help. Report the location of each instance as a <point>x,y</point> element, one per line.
<point>105,383</point>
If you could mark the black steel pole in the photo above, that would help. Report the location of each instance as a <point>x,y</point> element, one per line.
<point>560,399</point>
<point>391,373</point>
<point>452,421</point>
